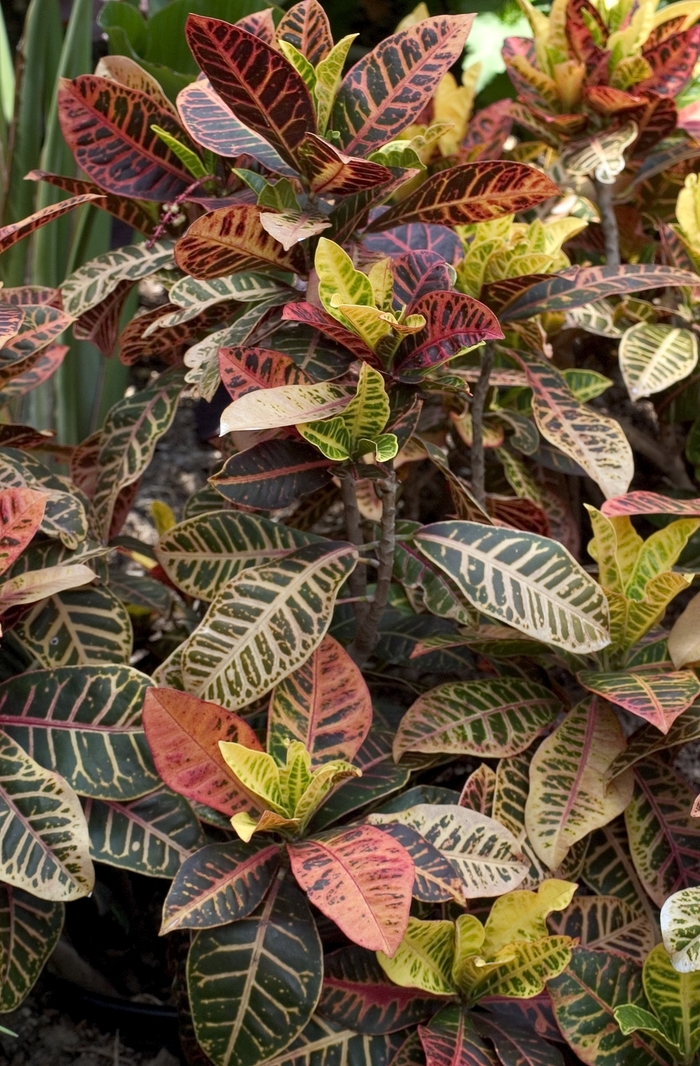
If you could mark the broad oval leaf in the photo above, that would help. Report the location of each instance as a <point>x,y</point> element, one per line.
<point>285,405</point>
<point>683,642</point>
<point>569,794</point>
<point>21,513</point>
<point>265,623</point>
<point>606,923</point>
<point>202,554</point>
<point>652,357</point>
<point>29,930</point>
<point>425,958</point>
<point>220,883</point>
<point>43,837</point>
<point>675,998</point>
<point>436,879</point>
<point>360,878</point>
<point>516,1046</point>
<point>325,703</point>
<point>357,994</point>
<point>244,370</point>
<point>451,1039</point>
<point>184,734</point>
<point>454,321</point>
<point>680,927</point>
<point>485,854</point>
<point>524,579</point>
<point>323,1043</point>
<point>152,835</point>
<point>253,984</point>
<point>272,474</point>
<point>83,722</point>
<point>231,240</point>
<point>491,718</point>
<point>77,627</point>
<point>657,695</point>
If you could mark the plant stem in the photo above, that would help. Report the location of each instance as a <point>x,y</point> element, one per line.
<point>609,223</point>
<point>366,634</point>
<point>477,412</point>
<point>357,582</point>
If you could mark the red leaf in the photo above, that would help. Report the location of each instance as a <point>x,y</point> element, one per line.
<point>16,231</point>
<point>42,324</point>
<point>451,1039</point>
<point>272,474</point>
<point>11,319</point>
<point>101,323</point>
<point>325,704</point>
<point>232,240</point>
<point>358,995</point>
<point>212,124</point>
<point>518,513</point>
<point>306,26</point>
<point>523,47</point>
<point>453,321</point>
<point>108,129</point>
<point>360,878</point>
<point>33,372</point>
<point>262,89</point>
<point>245,370</point>
<point>471,192</point>
<point>331,171</point>
<point>636,503</point>
<point>387,90</point>
<point>317,319</point>
<point>260,23</point>
<point>672,61</point>
<point>496,294</point>
<point>655,693</point>
<point>488,131</point>
<point>416,274</point>
<point>130,211</point>
<point>170,343</point>
<point>609,101</point>
<point>659,120</point>
<point>31,294</point>
<point>417,237</point>
<point>21,512</point>
<point>14,435</point>
<point>579,35</point>
<point>184,733</point>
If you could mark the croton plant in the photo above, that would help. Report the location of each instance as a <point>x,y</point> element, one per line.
<point>407,750</point>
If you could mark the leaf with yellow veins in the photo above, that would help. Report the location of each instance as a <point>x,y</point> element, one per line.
<point>325,778</point>
<point>382,281</point>
<point>295,776</point>
<point>658,555</point>
<point>329,73</point>
<point>469,937</point>
<point>569,795</point>
<point>615,547</point>
<point>520,915</point>
<point>424,957</point>
<point>526,970</point>
<point>369,323</point>
<point>245,825</point>
<point>257,772</point>
<point>631,619</point>
<point>337,277</point>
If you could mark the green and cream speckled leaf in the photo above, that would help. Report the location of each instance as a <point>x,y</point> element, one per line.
<point>606,923</point>
<point>680,928</point>
<point>675,1000</point>
<point>76,627</point>
<point>528,581</point>
<point>609,871</point>
<point>492,718</point>
<point>652,357</point>
<point>569,793</point>
<point>43,836</point>
<point>525,973</point>
<point>265,623</point>
<point>94,281</point>
<point>204,553</point>
<point>83,722</point>
<point>424,958</point>
<point>29,929</point>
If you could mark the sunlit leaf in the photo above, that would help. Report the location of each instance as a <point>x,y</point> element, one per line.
<point>680,926</point>
<point>424,959</point>
<point>652,357</point>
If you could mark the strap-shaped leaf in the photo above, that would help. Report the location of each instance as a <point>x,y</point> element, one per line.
<point>129,437</point>
<point>220,883</point>
<point>660,812</point>
<point>152,835</point>
<point>387,90</point>
<point>265,623</point>
<point>135,213</point>
<point>526,580</point>
<point>451,1037</point>
<point>254,983</point>
<point>490,718</point>
<point>360,878</point>
<point>16,231</point>
<point>184,733</point>
<point>325,704</point>
<point>10,321</point>
<point>43,836</point>
<point>202,554</point>
<point>29,930</point>
<point>485,853</point>
<point>680,926</point>
<point>231,240</point>
<point>272,474</point>
<point>285,405</point>
<point>606,923</point>
<point>471,192</point>
<point>92,282</point>
<point>83,722</point>
<point>357,994</point>
<point>569,795</point>
<point>77,627</point>
<point>108,127</point>
<point>652,357</point>
<point>262,89</point>
<point>21,512</point>
<point>634,503</point>
<point>584,999</point>
<point>657,695</point>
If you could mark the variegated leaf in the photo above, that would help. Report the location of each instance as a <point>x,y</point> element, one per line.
<point>16,231</point>
<point>526,580</point>
<point>272,474</point>
<point>76,627</point>
<point>656,694</point>
<point>452,1037</point>
<point>652,357</point>
<point>95,280</point>
<point>232,240</point>
<point>21,514</point>
<point>265,623</point>
<point>680,927</point>
<point>424,959</point>
<point>29,930</point>
<point>10,321</point>
<point>606,923</point>
<point>285,405</point>
<point>608,870</point>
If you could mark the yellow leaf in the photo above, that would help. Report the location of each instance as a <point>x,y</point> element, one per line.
<point>257,772</point>
<point>163,516</point>
<point>469,936</point>
<point>269,821</point>
<point>325,778</point>
<point>658,554</point>
<point>338,277</point>
<point>684,638</point>
<point>329,73</point>
<point>424,957</point>
<point>295,775</point>
<point>284,405</point>
<point>524,973</point>
<point>520,915</point>
<point>631,619</point>
<point>688,211</point>
<point>382,281</point>
<point>369,323</point>
<point>615,547</point>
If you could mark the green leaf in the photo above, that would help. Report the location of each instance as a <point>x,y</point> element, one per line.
<point>237,653</point>
<point>490,718</point>
<point>606,923</point>
<point>43,836</point>
<point>451,1037</point>
<point>254,983</point>
<point>528,967</point>
<point>675,999</point>
<point>632,1018</point>
<point>654,694</point>
<point>77,627</point>
<point>329,73</point>
<point>354,432</point>
<point>528,581</point>
<point>190,159</point>
<point>83,722</point>
<point>653,357</point>
<point>680,926</point>
<point>29,930</point>
<point>608,869</point>
<point>323,1043</point>
<point>91,283</point>
<point>424,958</point>
<point>299,62</point>
<point>338,279</point>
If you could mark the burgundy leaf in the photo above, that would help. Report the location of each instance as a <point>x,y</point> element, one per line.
<point>609,101</point>
<point>245,370</point>
<point>231,240</point>
<point>658,120</point>
<point>32,372</point>
<point>11,319</point>
<point>101,323</point>
<point>417,237</point>
<point>272,474</point>
<point>331,171</point>
<point>261,24</point>
<point>496,294</point>
<point>318,319</point>
<point>453,321</point>
<point>31,294</point>
<point>16,231</point>
<point>579,35</point>
<point>416,274</point>
<point>130,211</point>
<point>306,26</point>
<point>488,131</point>
<point>672,61</point>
